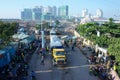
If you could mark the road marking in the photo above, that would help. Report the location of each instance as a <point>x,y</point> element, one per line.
<point>45,71</point>
<point>61,68</point>
<point>72,67</point>
<point>66,53</point>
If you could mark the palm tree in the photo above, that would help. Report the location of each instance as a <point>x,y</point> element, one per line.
<point>110,19</point>
<point>111,23</point>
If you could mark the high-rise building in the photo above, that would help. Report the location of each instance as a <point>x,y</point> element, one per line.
<point>26,14</point>
<point>47,10</point>
<point>99,13</point>
<point>84,13</point>
<point>54,11</point>
<point>37,12</point>
<point>47,13</point>
<point>63,12</point>
<point>41,13</point>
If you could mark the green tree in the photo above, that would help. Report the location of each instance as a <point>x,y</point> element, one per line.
<point>45,25</point>
<point>7,30</point>
<point>111,23</point>
<point>111,43</point>
<point>57,22</point>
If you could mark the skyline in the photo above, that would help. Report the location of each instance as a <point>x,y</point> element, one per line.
<point>12,9</point>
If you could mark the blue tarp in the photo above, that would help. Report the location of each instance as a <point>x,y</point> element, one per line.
<point>12,51</point>
<point>5,59</point>
<point>7,53</point>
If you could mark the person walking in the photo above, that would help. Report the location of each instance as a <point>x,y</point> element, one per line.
<point>47,48</point>
<point>72,48</point>
<point>32,75</point>
<point>66,44</point>
<point>42,59</point>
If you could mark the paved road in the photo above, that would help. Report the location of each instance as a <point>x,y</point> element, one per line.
<point>77,69</point>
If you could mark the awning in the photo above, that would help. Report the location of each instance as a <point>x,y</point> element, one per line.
<point>20,36</point>
<point>63,37</point>
<point>26,40</point>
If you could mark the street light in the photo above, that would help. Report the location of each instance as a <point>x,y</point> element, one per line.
<point>42,33</point>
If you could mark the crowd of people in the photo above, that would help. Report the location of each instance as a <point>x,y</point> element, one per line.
<point>101,65</point>
<point>69,43</point>
<point>17,69</point>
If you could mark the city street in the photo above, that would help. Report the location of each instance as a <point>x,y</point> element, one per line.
<point>60,40</point>
<point>76,68</point>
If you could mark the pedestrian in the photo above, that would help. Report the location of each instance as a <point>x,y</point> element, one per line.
<point>32,75</point>
<point>47,49</point>
<point>72,48</point>
<point>74,44</point>
<point>114,67</point>
<point>42,60</point>
<point>43,52</point>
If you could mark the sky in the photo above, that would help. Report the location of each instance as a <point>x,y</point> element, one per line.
<point>13,8</point>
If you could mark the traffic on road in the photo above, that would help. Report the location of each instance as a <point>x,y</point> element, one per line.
<point>63,61</point>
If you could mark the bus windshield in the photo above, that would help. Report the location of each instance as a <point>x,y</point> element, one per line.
<point>60,53</point>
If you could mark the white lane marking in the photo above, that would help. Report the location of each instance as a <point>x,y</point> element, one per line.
<point>66,53</point>
<point>61,68</point>
<point>72,67</point>
<point>45,71</point>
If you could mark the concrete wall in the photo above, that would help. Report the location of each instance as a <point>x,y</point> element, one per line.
<point>76,34</point>
<point>85,41</point>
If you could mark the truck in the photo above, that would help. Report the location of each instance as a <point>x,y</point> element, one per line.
<point>57,50</point>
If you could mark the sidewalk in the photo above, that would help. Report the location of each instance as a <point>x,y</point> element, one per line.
<point>87,53</point>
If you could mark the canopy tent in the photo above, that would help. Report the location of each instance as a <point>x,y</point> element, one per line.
<point>28,39</point>
<point>74,37</point>
<point>13,43</point>
<point>64,37</point>
<point>20,36</point>
<point>68,37</point>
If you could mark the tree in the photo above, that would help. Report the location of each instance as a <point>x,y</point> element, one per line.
<point>7,30</point>
<point>45,25</point>
<point>111,43</point>
<point>111,23</point>
<point>110,19</point>
<point>57,22</point>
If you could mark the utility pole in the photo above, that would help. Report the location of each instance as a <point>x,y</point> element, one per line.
<point>42,34</point>
<point>50,20</point>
